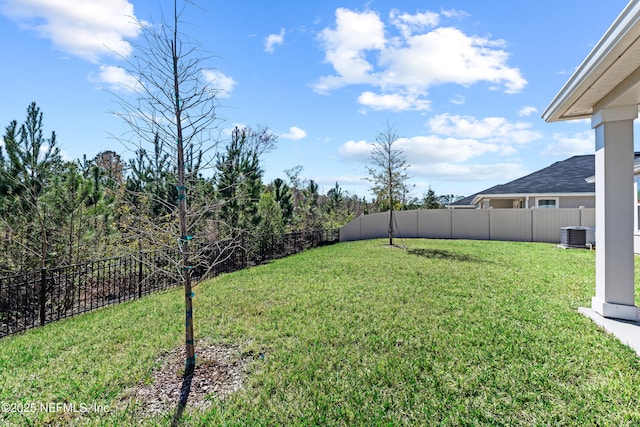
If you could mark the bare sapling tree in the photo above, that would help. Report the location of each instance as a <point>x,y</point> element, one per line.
<point>388,173</point>
<point>171,113</point>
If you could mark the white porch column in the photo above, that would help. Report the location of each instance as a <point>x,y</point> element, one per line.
<point>614,213</point>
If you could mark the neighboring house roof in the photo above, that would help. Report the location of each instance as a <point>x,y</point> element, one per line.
<point>563,177</point>
<point>467,201</point>
<point>566,176</point>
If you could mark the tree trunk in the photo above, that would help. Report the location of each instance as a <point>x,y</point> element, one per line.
<point>391,226</point>
<point>390,178</point>
<point>182,209</point>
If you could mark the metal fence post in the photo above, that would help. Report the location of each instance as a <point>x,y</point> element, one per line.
<point>243,252</point>
<point>43,298</point>
<point>139,274</point>
<point>273,247</point>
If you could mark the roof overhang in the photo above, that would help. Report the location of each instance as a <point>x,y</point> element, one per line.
<point>523,196</point>
<point>608,77</point>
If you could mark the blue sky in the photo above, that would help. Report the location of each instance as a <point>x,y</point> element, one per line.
<point>463,82</point>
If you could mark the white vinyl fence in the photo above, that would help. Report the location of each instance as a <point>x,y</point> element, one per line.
<point>521,225</point>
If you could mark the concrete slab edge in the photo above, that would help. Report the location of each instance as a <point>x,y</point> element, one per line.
<point>628,332</point>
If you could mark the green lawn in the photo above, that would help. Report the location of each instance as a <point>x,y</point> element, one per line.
<point>442,333</point>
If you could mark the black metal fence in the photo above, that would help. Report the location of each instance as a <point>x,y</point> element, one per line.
<point>35,298</point>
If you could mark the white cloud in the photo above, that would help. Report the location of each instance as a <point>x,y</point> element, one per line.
<point>458,100</point>
<point>342,180</point>
<point>393,101</point>
<point>447,55</point>
<point>453,13</point>
<point>501,172</point>
<point>444,158</point>
<point>295,134</point>
<point>65,156</point>
<point>273,40</point>
<point>118,79</point>
<point>566,145</point>
<point>409,24</point>
<point>86,28</point>
<point>219,82</point>
<point>421,150</point>
<point>527,110</point>
<point>356,151</point>
<point>363,51</point>
<point>346,47</point>
<point>496,129</point>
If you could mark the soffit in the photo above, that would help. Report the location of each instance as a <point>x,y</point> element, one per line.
<point>608,77</point>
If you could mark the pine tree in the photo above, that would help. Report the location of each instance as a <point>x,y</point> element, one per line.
<point>283,198</point>
<point>30,163</point>
<point>239,180</point>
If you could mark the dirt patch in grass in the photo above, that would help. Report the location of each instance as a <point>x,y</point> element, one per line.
<point>440,254</point>
<point>394,246</point>
<point>220,371</point>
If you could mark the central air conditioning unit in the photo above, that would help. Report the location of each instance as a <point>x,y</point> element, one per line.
<point>577,237</point>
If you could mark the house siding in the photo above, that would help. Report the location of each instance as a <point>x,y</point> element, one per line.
<point>502,203</point>
<point>568,202</point>
<point>564,202</point>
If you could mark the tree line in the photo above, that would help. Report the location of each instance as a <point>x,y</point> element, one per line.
<point>57,212</point>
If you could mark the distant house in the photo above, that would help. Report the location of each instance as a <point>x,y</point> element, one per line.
<point>562,185</point>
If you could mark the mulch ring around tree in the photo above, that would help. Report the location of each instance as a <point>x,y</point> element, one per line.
<point>220,371</point>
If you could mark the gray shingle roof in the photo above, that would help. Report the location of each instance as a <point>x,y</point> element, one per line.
<point>465,201</point>
<point>566,176</point>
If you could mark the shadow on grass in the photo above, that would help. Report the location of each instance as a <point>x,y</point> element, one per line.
<point>442,254</point>
<point>184,396</point>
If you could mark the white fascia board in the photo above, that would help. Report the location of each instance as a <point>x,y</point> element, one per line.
<point>459,206</point>
<point>595,64</point>
<point>530,195</point>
